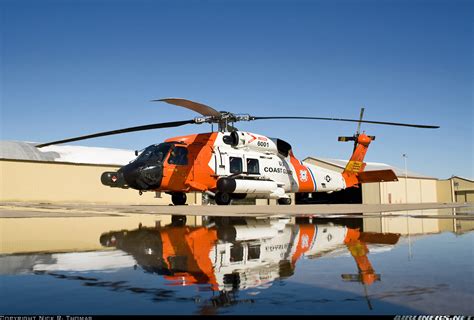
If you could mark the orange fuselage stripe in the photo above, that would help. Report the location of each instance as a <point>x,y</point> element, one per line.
<point>184,177</point>
<point>304,176</point>
<point>196,247</point>
<point>305,240</point>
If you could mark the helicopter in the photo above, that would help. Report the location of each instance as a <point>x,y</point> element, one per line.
<point>244,253</point>
<point>229,164</point>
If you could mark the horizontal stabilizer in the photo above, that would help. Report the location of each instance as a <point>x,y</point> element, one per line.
<point>353,138</point>
<point>379,238</point>
<point>356,277</point>
<point>377,176</point>
<point>344,139</point>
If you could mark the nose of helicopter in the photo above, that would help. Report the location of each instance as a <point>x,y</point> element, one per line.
<point>144,176</point>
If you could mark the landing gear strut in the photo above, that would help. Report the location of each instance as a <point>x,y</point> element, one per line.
<point>222,198</point>
<point>178,198</point>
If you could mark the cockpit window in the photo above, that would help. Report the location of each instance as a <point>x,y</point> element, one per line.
<point>154,152</point>
<point>178,156</point>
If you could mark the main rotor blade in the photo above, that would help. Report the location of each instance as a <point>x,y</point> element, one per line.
<point>195,106</point>
<point>350,120</point>
<point>119,131</point>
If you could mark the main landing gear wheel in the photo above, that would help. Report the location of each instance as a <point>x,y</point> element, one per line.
<point>284,201</point>
<point>178,198</point>
<point>222,198</point>
<point>178,221</point>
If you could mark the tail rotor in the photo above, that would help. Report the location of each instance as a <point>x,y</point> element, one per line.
<point>356,135</point>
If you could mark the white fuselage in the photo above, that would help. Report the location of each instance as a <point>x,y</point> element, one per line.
<point>263,247</point>
<point>277,173</point>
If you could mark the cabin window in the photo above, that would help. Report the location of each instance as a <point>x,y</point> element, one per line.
<point>253,252</point>
<point>236,253</point>
<point>252,166</point>
<point>235,165</point>
<point>178,156</point>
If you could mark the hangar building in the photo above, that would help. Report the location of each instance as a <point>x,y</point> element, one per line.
<point>65,174</point>
<point>411,187</point>
<point>456,189</point>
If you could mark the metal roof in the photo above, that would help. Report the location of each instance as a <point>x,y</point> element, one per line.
<point>21,150</point>
<point>24,151</point>
<point>462,178</point>
<point>371,166</point>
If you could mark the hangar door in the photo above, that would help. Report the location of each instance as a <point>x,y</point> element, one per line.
<point>349,195</point>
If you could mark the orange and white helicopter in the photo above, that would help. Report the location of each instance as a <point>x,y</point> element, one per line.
<point>231,164</point>
<point>244,253</point>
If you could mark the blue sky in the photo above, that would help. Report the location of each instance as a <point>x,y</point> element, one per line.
<point>70,68</point>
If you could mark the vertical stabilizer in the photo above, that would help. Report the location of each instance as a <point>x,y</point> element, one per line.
<point>356,163</point>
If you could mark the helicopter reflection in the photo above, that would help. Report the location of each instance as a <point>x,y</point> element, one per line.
<point>231,254</point>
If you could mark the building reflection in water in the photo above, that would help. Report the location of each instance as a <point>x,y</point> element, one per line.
<point>231,254</point>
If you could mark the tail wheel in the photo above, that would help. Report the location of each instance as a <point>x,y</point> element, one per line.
<point>222,198</point>
<point>284,201</point>
<point>178,198</point>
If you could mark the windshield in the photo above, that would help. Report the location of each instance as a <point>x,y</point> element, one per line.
<point>154,152</point>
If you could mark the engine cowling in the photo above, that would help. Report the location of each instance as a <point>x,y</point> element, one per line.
<point>241,139</point>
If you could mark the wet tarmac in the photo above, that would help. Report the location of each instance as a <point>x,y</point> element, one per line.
<point>403,262</point>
